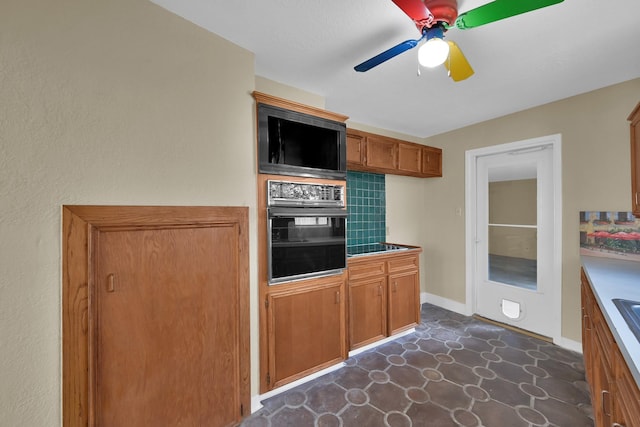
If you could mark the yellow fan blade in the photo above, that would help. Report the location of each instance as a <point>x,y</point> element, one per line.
<point>457,64</point>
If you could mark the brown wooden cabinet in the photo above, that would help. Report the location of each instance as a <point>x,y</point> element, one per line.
<point>368,309</point>
<point>404,305</point>
<point>587,327</point>
<point>384,296</point>
<point>627,409</point>
<point>409,158</point>
<point>634,118</point>
<point>306,325</point>
<point>368,152</point>
<point>155,303</point>
<point>431,161</point>
<point>614,392</point>
<point>381,153</point>
<point>355,150</point>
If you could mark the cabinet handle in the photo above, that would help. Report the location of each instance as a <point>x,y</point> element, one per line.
<point>111,283</point>
<point>585,322</point>
<point>617,425</point>
<point>604,411</point>
<point>379,291</point>
<point>338,297</point>
<point>395,286</point>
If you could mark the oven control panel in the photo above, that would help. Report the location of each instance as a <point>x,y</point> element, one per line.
<point>287,193</point>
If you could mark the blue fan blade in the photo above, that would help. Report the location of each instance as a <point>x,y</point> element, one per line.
<point>387,55</point>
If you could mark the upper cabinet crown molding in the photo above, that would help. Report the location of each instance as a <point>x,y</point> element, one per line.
<point>369,152</point>
<point>263,98</point>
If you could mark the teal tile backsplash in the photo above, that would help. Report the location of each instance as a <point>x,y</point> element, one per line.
<point>366,212</point>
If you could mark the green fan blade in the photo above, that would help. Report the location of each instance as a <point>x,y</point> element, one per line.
<point>499,9</point>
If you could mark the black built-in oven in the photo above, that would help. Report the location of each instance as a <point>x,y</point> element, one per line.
<point>306,230</point>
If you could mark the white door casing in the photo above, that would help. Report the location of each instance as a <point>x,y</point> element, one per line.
<point>540,308</point>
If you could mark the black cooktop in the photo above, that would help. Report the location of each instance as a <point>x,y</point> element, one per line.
<point>373,248</point>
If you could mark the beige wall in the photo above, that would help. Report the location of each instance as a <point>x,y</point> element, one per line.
<point>595,176</point>
<point>103,102</point>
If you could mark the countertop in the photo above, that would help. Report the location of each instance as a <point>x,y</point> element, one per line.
<point>615,278</point>
<point>382,248</point>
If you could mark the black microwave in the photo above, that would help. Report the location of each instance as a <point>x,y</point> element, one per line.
<point>298,144</point>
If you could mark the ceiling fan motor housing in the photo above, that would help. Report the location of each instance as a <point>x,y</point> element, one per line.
<point>443,10</point>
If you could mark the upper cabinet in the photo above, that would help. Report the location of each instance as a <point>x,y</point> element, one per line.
<point>368,152</point>
<point>634,118</point>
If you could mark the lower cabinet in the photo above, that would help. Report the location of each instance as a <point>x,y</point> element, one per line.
<point>384,296</point>
<point>614,392</point>
<point>404,301</point>
<point>306,329</point>
<point>367,304</point>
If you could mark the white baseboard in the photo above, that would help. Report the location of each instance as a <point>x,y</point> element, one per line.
<point>446,303</point>
<point>256,400</point>
<point>569,344</point>
<point>382,341</point>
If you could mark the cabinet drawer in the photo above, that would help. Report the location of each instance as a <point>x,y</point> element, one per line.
<point>366,269</point>
<point>403,263</point>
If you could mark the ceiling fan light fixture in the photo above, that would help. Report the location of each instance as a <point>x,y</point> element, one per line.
<point>433,52</point>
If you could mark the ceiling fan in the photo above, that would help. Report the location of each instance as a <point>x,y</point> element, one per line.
<point>434,17</point>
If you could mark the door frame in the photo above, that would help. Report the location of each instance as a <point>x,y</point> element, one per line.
<point>79,223</point>
<point>555,142</point>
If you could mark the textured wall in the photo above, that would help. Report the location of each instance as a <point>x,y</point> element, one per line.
<point>103,102</point>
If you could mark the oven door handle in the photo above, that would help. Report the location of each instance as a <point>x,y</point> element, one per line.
<point>277,212</point>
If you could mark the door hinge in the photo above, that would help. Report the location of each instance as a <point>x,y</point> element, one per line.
<point>268,379</point>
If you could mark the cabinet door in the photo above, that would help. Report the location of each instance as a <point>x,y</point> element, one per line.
<point>355,149</point>
<point>306,331</point>
<point>381,152</point>
<point>627,401</point>
<point>431,162</point>
<point>602,399</point>
<point>409,158</point>
<point>634,118</point>
<point>603,384</point>
<point>587,331</point>
<point>367,311</point>
<point>404,301</point>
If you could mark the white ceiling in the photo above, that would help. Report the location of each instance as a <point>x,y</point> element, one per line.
<point>521,62</point>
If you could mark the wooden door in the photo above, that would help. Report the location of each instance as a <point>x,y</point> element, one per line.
<point>367,311</point>
<point>166,342</point>
<point>404,305</point>
<point>306,330</point>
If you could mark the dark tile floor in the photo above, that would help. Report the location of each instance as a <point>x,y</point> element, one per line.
<point>453,371</point>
